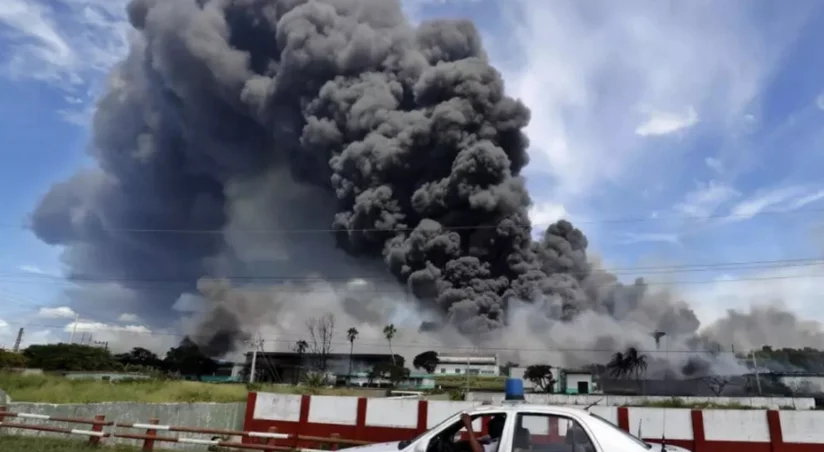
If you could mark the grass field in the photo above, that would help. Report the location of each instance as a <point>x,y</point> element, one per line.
<point>56,389</point>
<point>25,444</point>
<point>474,382</point>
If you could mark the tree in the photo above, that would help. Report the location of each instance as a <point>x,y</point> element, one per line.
<point>188,359</point>
<point>11,360</point>
<point>627,364</point>
<point>141,357</point>
<point>351,335</point>
<point>389,371</point>
<point>321,331</point>
<point>389,332</point>
<point>427,361</point>
<point>541,376</point>
<point>70,357</point>
<point>716,384</point>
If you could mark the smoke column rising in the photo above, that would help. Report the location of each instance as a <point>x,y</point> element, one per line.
<point>272,121</point>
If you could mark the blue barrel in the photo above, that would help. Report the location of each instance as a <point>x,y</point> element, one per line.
<point>514,389</point>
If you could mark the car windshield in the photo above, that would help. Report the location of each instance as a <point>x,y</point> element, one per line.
<point>626,434</point>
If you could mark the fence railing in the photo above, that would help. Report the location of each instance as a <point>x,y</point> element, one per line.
<point>266,441</point>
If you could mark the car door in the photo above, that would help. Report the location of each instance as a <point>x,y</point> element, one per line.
<point>548,432</point>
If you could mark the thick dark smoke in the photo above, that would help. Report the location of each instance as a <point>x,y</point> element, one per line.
<point>323,123</point>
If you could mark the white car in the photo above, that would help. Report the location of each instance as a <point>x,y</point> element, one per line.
<point>528,428</point>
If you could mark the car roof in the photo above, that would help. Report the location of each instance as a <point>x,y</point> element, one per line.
<point>519,407</point>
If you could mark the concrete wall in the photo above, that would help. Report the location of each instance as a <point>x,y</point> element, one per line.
<point>798,403</point>
<point>385,420</point>
<point>207,415</point>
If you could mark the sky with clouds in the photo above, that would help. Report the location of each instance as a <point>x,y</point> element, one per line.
<point>677,135</point>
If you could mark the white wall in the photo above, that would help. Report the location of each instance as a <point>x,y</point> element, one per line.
<point>800,403</point>
<point>674,423</point>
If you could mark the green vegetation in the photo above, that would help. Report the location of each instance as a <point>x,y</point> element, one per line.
<point>475,382</point>
<point>58,389</point>
<point>26,444</point>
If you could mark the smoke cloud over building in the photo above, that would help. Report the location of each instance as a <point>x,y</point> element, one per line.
<point>251,149</point>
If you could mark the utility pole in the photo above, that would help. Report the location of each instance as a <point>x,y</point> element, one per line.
<point>256,344</point>
<point>17,341</point>
<point>74,328</point>
<point>755,369</point>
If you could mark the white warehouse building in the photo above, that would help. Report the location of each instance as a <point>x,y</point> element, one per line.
<point>484,365</point>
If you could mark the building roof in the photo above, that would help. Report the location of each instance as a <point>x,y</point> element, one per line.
<point>331,356</point>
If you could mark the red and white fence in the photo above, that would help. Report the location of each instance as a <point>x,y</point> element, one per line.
<point>269,440</point>
<point>378,420</point>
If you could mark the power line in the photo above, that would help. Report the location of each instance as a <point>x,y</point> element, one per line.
<point>649,269</point>
<point>176,283</point>
<point>645,219</point>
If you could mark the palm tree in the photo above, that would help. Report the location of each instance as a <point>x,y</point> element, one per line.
<point>389,332</point>
<point>300,348</point>
<point>627,364</point>
<point>351,334</point>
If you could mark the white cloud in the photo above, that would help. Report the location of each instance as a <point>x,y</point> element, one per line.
<point>706,199</point>
<point>664,123</point>
<point>128,318</point>
<point>714,164</point>
<point>3,324</point>
<point>58,312</point>
<point>543,214</point>
<point>68,44</point>
<point>781,199</point>
<point>587,67</point>
<point>122,338</point>
<point>34,269</point>
<point>638,237</point>
<point>819,101</point>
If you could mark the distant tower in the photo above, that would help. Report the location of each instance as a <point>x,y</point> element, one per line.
<point>17,341</point>
<point>657,336</point>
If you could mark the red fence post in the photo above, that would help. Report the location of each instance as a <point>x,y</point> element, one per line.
<point>3,409</point>
<point>774,427</point>
<point>623,418</point>
<point>699,441</point>
<point>423,415</point>
<point>334,444</point>
<point>305,404</point>
<point>148,444</point>
<point>97,427</point>
<point>360,419</point>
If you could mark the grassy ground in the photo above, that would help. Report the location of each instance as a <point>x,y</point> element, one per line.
<point>475,382</point>
<point>56,389</point>
<point>28,444</point>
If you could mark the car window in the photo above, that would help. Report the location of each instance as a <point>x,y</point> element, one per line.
<point>542,432</point>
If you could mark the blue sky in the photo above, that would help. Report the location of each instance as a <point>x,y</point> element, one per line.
<point>673,133</point>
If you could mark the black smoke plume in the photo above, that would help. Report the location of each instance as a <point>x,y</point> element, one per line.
<point>327,125</point>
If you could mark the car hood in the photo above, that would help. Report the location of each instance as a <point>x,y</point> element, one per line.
<point>378,447</point>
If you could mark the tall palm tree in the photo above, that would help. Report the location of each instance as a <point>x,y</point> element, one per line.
<point>389,332</point>
<point>351,334</point>
<point>628,364</point>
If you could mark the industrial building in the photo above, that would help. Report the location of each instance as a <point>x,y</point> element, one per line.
<point>290,367</point>
<point>483,365</point>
